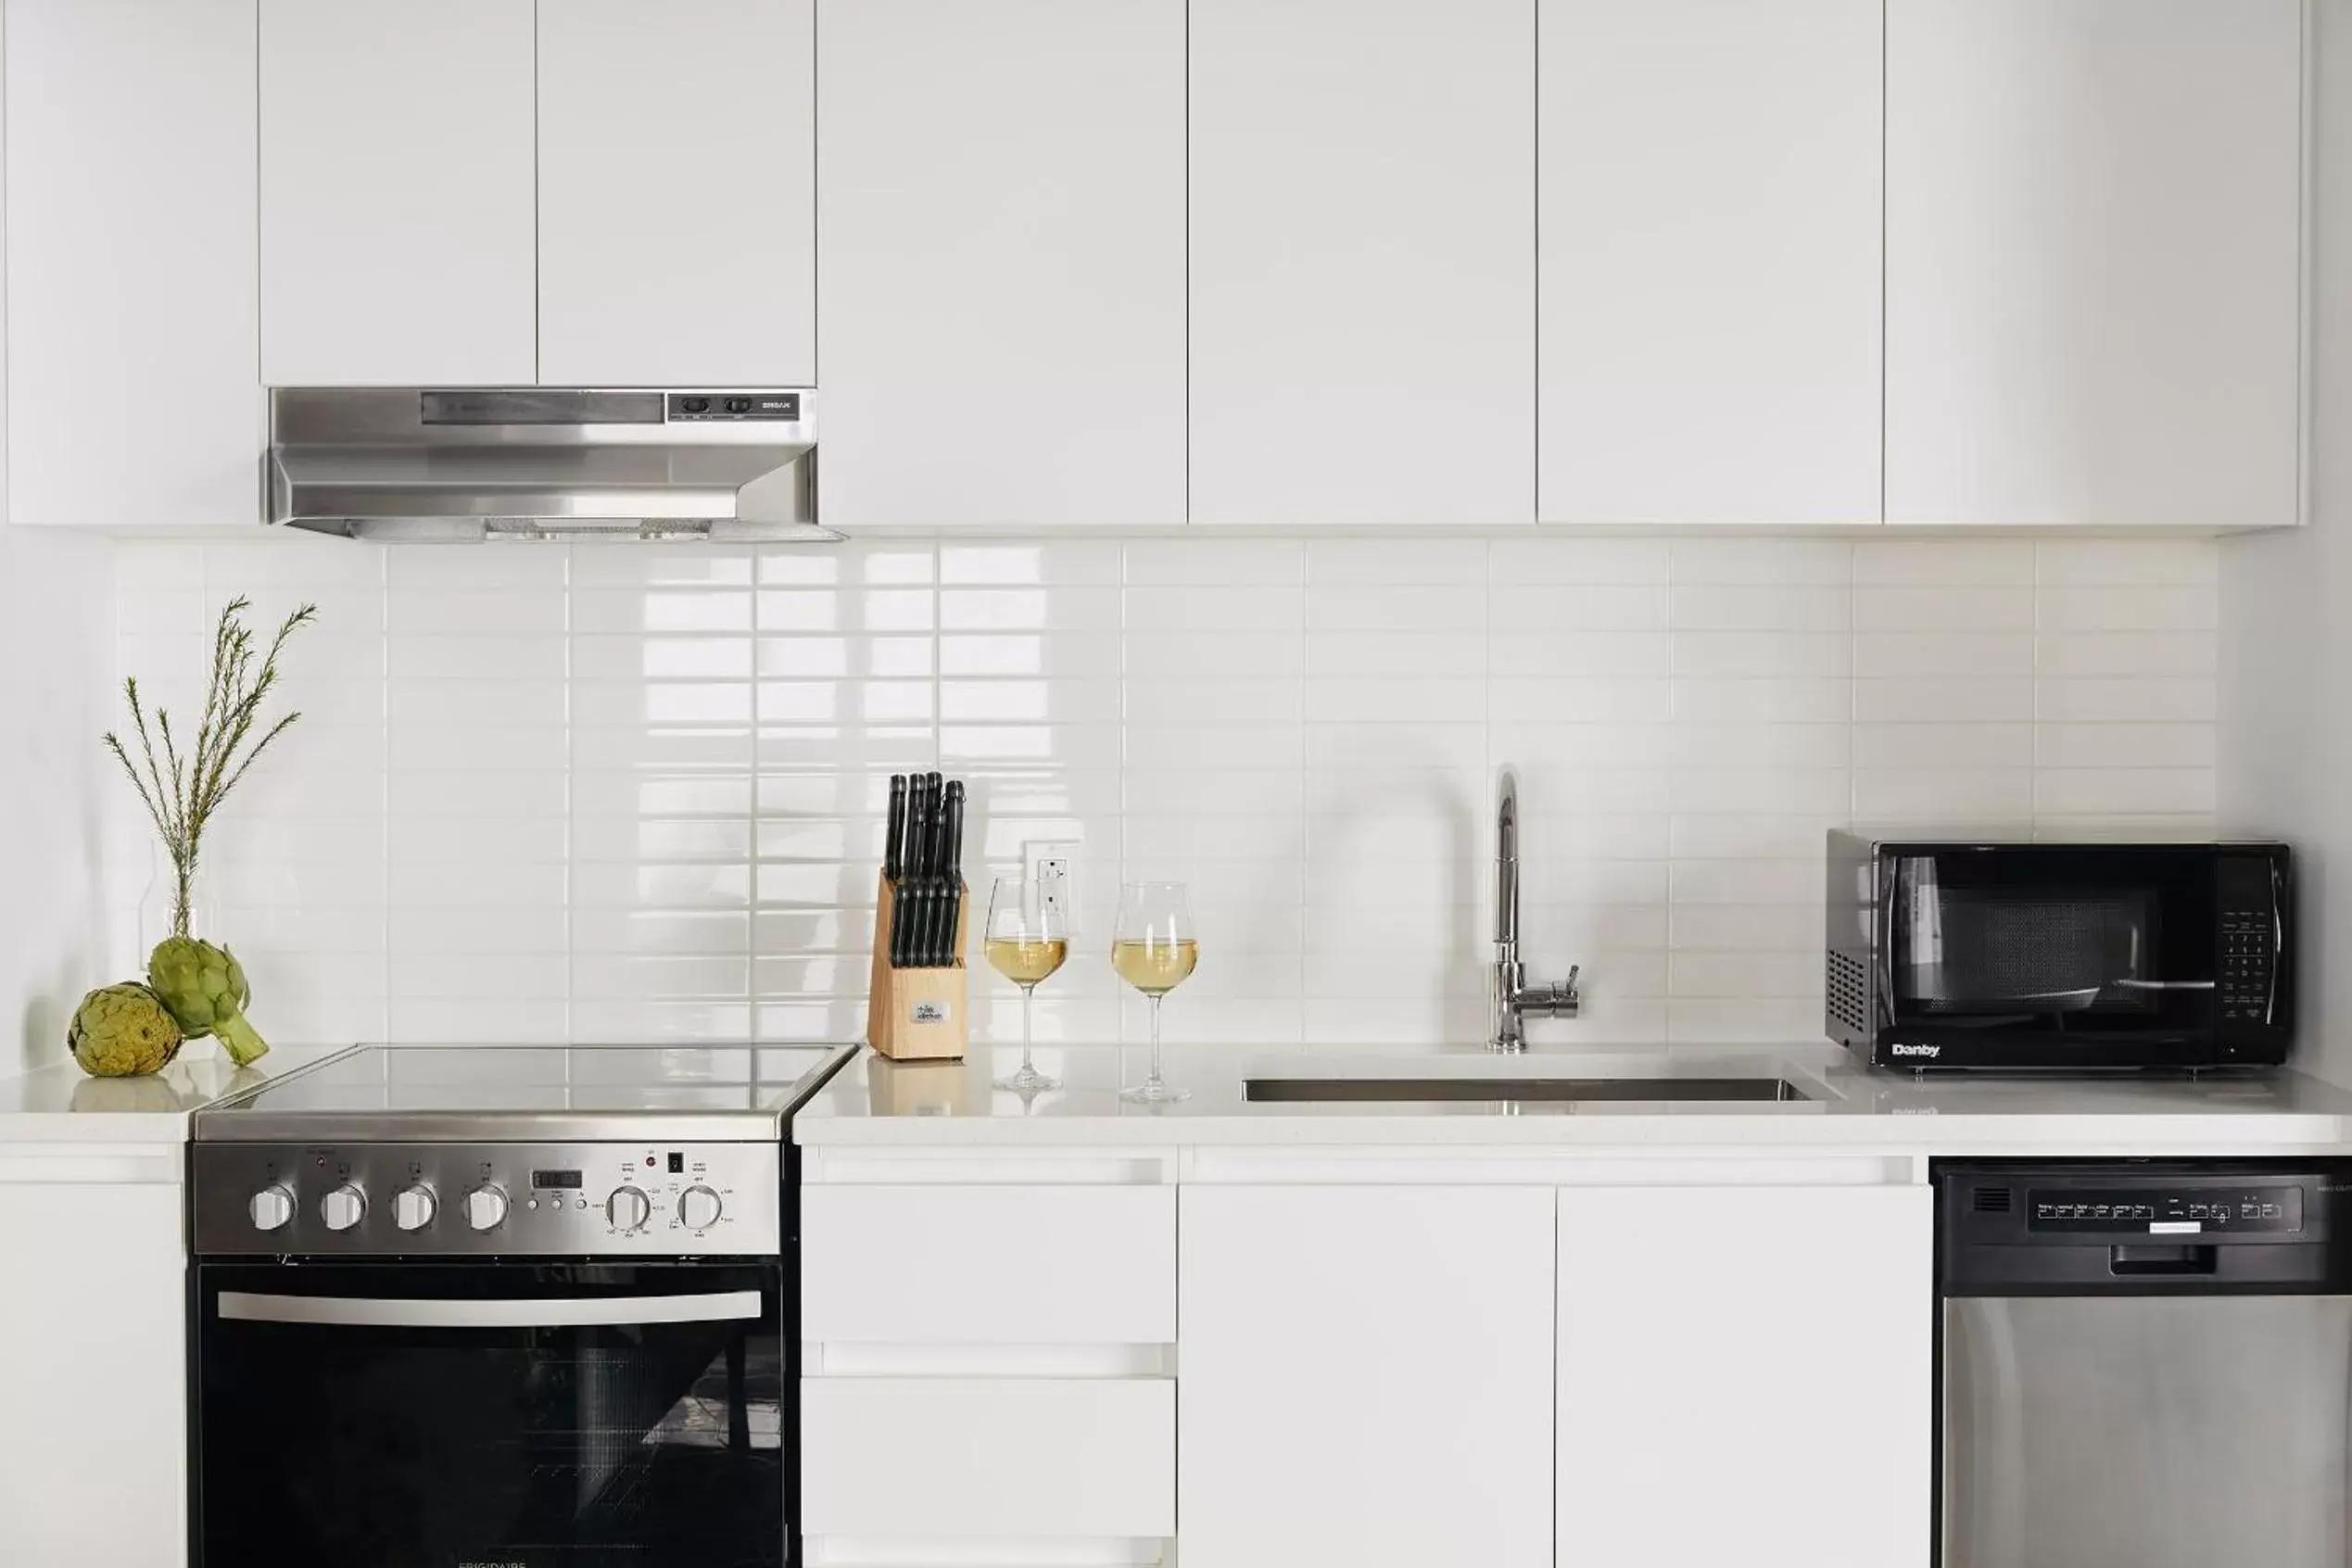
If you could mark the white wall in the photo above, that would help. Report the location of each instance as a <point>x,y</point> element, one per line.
<point>56,657</point>
<point>2286,763</point>
<point>598,791</point>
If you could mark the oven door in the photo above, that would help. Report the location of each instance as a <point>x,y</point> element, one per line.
<point>2073,956</point>
<point>490,1415</point>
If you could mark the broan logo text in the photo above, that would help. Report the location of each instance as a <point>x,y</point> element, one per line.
<point>1916,1050</point>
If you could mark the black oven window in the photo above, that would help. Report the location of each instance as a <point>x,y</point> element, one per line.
<point>652,1442</point>
<point>2081,943</point>
<point>1996,950</point>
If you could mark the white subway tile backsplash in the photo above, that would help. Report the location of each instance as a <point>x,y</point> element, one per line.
<point>1795,607</point>
<point>1944,608</point>
<point>1898,654</point>
<point>598,792</point>
<point>1760,561</point>
<point>2180,700</point>
<point>2115,562</point>
<point>1944,699</point>
<point>1942,563</point>
<point>2135,653</point>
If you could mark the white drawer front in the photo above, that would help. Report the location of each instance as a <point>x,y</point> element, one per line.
<point>902,1458</point>
<point>987,1265</point>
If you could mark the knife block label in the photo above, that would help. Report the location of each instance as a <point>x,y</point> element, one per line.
<point>928,1012</point>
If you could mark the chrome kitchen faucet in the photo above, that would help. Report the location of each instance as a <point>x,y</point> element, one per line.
<point>1514,999</point>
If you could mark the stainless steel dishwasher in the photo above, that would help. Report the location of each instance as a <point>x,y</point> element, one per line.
<point>2145,1365</point>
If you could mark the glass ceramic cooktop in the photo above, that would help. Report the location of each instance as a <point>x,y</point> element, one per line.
<point>385,1084</point>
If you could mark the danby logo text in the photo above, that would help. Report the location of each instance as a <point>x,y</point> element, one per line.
<point>1918,1050</point>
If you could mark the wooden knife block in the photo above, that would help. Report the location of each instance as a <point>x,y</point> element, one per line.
<point>918,1014</point>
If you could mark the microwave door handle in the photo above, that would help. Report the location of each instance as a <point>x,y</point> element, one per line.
<point>2163,986</point>
<point>596,1312</point>
<point>2277,942</point>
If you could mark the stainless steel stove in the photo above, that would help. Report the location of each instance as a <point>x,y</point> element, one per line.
<point>524,1306</point>
<point>549,1151</point>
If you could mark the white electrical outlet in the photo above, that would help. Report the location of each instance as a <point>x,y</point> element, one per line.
<point>1047,867</point>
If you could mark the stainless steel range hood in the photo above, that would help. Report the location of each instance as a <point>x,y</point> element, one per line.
<point>543,463</point>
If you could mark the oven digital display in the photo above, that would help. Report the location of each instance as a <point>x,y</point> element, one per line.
<point>567,1180</point>
<point>2156,1210</point>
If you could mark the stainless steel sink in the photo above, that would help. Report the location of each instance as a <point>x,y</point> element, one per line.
<point>1406,1091</point>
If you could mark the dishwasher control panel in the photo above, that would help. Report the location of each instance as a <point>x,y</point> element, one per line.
<point>2170,1210</point>
<point>2141,1227</point>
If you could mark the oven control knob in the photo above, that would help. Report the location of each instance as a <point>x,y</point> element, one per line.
<point>698,1208</point>
<point>272,1207</point>
<point>343,1207</point>
<point>486,1207</point>
<point>628,1209</point>
<point>413,1206</point>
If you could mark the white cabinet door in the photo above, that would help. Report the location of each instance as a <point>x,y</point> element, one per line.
<point>1364,1376</point>
<point>130,273</point>
<point>2094,261</point>
<point>976,1459</point>
<point>1710,242</point>
<point>1722,1350</point>
<point>93,1366</point>
<point>1363,261</point>
<point>397,194</point>
<point>1001,231</point>
<point>988,1264</point>
<point>677,201</point>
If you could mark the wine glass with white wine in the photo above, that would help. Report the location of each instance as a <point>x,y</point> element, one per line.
<point>1154,947</point>
<point>1027,939</point>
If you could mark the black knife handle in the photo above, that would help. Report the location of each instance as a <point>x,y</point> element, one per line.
<point>892,844</point>
<point>951,883</point>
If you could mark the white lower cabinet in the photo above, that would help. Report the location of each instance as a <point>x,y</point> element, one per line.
<point>1379,1374</point>
<point>1364,1376</point>
<point>93,1367</point>
<point>1003,1457</point>
<point>1746,1376</point>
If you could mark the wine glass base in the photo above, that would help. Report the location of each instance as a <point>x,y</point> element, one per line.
<point>1153,1092</point>
<point>1027,1080</point>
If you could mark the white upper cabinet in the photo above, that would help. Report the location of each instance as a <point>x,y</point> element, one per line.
<point>1365,1377</point>
<point>1723,1350</point>
<point>677,193</point>
<point>1002,241</point>
<point>1363,261</point>
<point>1711,212</point>
<point>396,192</point>
<point>2093,249</point>
<point>130,270</point>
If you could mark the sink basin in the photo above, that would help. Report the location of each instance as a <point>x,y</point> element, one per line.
<point>1406,1091</point>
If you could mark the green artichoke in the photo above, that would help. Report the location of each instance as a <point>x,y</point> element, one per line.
<point>123,1030</point>
<point>205,988</point>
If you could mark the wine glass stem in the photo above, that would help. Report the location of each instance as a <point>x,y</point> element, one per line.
<point>1156,996</point>
<point>1028,994</point>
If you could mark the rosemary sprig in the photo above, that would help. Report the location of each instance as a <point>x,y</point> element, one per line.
<point>182,793</point>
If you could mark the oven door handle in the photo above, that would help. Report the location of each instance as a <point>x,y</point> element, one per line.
<point>548,1312</point>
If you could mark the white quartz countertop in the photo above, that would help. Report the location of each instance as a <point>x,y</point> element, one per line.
<point>62,1103</point>
<point>876,1102</point>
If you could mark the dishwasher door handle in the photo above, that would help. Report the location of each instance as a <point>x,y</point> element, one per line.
<point>2163,1262</point>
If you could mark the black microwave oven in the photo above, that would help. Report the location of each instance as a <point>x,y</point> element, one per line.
<point>1956,951</point>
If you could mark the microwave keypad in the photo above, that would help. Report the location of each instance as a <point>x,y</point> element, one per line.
<point>2247,958</point>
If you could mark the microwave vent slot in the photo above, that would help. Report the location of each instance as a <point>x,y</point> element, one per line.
<point>1990,1200</point>
<point>1846,986</point>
